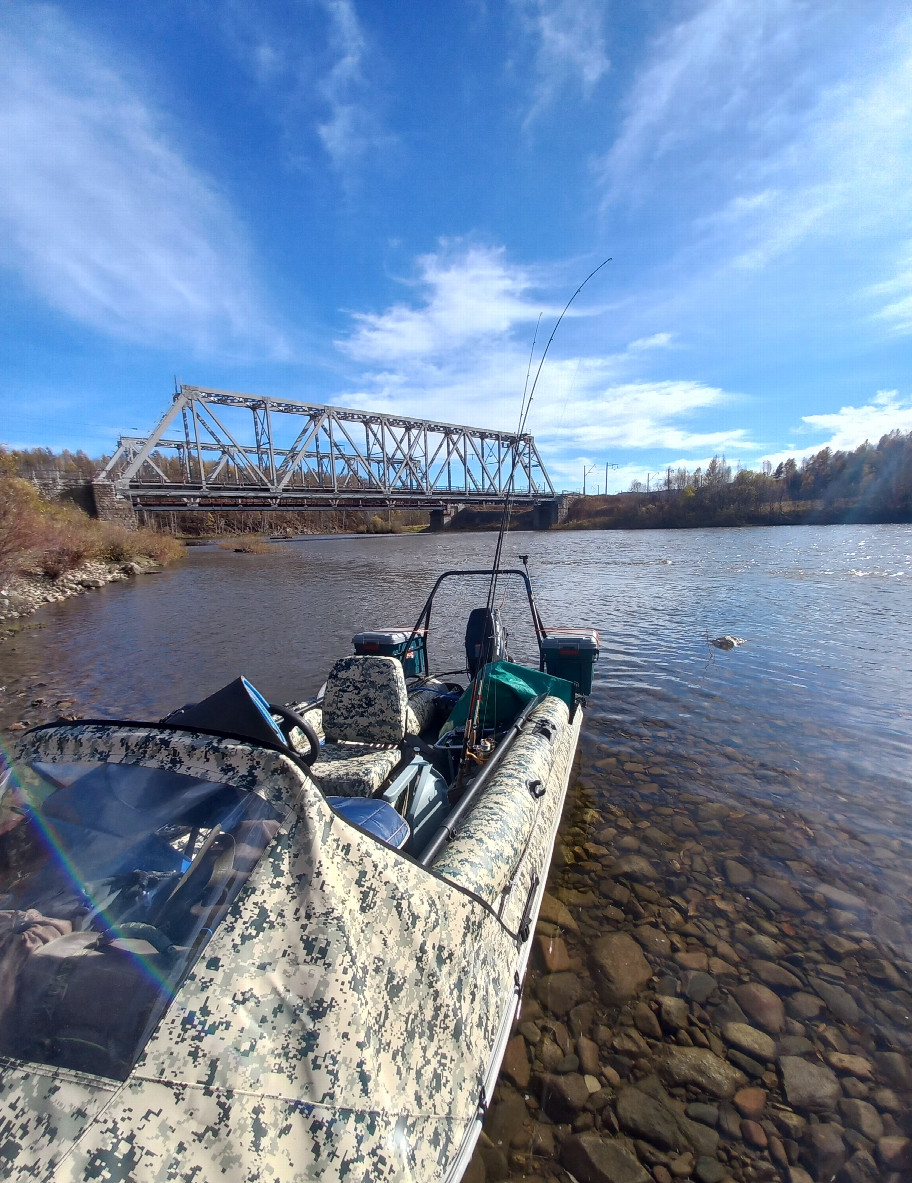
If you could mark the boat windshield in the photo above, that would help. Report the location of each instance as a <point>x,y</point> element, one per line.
<point>113,878</point>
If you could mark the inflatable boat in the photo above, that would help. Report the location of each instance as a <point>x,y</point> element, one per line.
<point>282,943</point>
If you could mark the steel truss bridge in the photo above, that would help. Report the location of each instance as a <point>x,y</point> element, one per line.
<point>215,449</point>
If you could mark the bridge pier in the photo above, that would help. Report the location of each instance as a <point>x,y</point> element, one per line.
<point>552,512</point>
<point>108,507</point>
<point>441,518</point>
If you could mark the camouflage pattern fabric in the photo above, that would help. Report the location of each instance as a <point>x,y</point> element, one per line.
<point>341,1021</point>
<point>351,770</point>
<point>491,842</point>
<point>365,701</point>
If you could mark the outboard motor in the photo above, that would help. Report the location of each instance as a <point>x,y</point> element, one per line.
<point>485,639</point>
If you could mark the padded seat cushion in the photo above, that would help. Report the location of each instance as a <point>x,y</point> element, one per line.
<point>365,701</point>
<point>377,817</point>
<point>351,770</point>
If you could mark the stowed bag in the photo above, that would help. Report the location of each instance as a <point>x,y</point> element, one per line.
<point>21,933</point>
<point>85,1002</point>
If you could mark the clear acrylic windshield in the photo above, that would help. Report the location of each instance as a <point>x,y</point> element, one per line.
<point>113,877</point>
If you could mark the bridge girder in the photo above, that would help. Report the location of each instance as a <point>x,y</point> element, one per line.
<point>222,449</point>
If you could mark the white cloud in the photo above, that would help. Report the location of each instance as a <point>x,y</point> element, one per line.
<point>464,343</point>
<point>569,47</point>
<point>898,290</point>
<point>349,127</point>
<point>849,427</point>
<point>101,215</point>
<point>656,341</point>
<point>468,294</point>
<point>753,127</point>
<point>642,415</point>
<point>700,78</point>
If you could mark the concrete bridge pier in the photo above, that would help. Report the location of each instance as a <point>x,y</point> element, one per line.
<point>441,518</point>
<point>552,512</point>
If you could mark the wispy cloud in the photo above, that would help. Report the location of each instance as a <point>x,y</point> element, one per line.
<point>897,312</point>
<point>312,67</point>
<point>101,214</point>
<point>655,341</point>
<point>753,132</point>
<point>724,78</point>
<point>467,294</point>
<point>849,427</point>
<point>569,47</point>
<point>349,126</point>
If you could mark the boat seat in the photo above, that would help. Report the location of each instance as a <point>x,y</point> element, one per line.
<point>351,770</point>
<point>364,720</point>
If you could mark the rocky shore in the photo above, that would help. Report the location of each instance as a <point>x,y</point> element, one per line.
<point>704,1002</point>
<point>25,594</point>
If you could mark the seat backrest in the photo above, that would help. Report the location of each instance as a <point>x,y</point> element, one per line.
<point>365,701</point>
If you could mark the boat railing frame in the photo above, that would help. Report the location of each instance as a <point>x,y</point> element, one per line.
<point>419,633</point>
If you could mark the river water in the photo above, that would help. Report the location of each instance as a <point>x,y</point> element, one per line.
<point>789,756</point>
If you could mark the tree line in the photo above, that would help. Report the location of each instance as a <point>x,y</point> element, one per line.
<point>873,483</point>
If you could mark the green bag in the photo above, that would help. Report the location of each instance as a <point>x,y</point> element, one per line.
<point>506,689</point>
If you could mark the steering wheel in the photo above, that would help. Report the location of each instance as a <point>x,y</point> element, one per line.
<point>288,720</point>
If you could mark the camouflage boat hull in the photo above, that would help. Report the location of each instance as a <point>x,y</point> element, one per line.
<point>347,1019</point>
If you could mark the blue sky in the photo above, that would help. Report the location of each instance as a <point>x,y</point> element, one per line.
<point>371,204</point>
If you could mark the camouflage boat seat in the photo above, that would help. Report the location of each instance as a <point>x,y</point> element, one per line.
<point>364,720</point>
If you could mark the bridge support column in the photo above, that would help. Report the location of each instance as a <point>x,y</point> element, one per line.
<point>553,512</point>
<point>441,518</point>
<point>108,507</point>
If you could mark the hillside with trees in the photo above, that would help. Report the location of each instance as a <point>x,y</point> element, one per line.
<point>873,483</point>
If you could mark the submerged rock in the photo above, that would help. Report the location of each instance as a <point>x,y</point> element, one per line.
<point>619,968</point>
<point>593,1159</point>
<point>701,1067</point>
<point>809,1086</point>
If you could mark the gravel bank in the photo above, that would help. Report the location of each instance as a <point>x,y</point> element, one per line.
<point>25,594</point>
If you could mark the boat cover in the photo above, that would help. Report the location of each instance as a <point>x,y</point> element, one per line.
<point>507,688</point>
<point>344,1021</point>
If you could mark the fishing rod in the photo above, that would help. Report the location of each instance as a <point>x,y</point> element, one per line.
<point>470,735</point>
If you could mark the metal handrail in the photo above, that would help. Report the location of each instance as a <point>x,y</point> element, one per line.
<point>423,623</point>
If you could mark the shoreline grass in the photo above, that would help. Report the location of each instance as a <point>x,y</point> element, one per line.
<point>41,537</point>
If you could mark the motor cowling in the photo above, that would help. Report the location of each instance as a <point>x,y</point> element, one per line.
<point>485,639</point>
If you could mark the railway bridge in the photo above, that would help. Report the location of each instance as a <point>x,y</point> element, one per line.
<point>221,450</point>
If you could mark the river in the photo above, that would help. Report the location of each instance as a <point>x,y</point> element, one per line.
<point>788,757</point>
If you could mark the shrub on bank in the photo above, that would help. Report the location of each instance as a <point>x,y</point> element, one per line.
<point>42,537</point>
<point>250,544</point>
<point>22,528</point>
